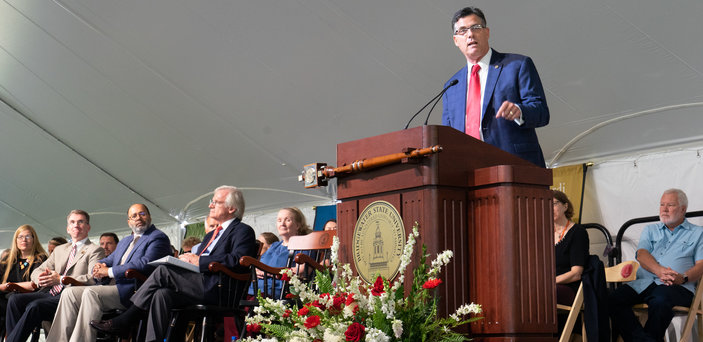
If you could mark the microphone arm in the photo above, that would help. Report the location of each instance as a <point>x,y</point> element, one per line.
<point>451,84</point>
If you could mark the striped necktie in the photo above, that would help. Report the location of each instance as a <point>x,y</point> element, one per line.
<point>58,287</point>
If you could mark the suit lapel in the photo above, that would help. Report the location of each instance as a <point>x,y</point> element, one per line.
<point>80,252</point>
<point>494,70</point>
<point>226,233</point>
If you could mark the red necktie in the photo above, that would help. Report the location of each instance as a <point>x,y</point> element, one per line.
<point>214,235</point>
<point>473,104</point>
<point>56,289</point>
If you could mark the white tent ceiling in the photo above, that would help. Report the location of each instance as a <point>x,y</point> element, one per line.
<point>106,103</point>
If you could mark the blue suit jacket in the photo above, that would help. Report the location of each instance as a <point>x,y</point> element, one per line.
<point>153,244</point>
<point>513,78</point>
<point>237,241</point>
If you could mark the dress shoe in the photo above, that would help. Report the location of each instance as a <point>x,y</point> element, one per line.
<point>106,327</point>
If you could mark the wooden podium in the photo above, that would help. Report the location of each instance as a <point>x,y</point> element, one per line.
<point>490,207</point>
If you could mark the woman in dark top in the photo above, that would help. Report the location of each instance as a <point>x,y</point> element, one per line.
<point>570,249</point>
<point>25,255</point>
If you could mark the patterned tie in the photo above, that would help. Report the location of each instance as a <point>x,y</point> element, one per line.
<point>58,287</point>
<point>473,104</point>
<point>129,249</point>
<point>214,235</point>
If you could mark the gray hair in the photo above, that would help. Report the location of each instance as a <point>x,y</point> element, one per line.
<point>683,199</point>
<point>234,199</point>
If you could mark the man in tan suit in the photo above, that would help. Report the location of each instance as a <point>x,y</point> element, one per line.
<point>76,259</point>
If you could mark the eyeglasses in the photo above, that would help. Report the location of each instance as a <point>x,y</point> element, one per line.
<point>215,203</point>
<point>473,28</point>
<point>24,237</point>
<point>139,214</point>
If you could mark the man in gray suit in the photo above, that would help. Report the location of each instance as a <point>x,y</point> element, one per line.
<point>76,259</point>
<point>81,304</point>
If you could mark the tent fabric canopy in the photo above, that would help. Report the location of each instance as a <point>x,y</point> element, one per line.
<point>108,103</point>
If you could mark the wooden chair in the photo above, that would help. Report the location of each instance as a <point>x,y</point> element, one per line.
<point>625,271</point>
<point>313,252</point>
<point>693,312</point>
<point>228,306</point>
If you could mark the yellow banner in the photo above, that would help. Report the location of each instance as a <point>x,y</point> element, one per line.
<point>569,180</point>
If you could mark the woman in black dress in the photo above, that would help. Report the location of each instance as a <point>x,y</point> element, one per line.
<point>570,249</point>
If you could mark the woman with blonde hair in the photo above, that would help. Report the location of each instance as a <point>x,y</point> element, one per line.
<point>25,255</point>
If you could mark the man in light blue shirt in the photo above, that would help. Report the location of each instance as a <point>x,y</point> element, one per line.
<point>670,254</point>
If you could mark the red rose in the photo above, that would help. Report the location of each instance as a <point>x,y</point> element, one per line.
<point>287,313</point>
<point>431,283</point>
<point>350,299</point>
<point>285,277</point>
<point>355,332</point>
<point>253,328</point>
<point>317,304</point>
<point>303,311</point>
<point>312,321</point>
<point>290,295</point>
<point>378,287</point>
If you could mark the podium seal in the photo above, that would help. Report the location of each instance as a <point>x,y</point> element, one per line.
<point>378,241</point>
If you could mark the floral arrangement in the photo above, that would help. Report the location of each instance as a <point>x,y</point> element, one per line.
<point>346,309</point>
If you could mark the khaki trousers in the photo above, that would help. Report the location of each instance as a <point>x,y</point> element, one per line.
<point>77,307</point>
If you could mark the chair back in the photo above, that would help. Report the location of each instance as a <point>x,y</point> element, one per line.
<point>316,245</point>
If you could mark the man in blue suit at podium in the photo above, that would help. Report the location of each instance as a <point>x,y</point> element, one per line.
<point>499,97</point>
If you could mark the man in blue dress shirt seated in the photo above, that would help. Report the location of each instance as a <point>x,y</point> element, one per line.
<point>670,254</point>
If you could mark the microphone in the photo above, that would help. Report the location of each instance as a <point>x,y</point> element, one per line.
<point>439,96</point>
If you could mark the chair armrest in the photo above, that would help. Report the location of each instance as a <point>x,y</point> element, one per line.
<point>134,274</point>
<point>21,287</point>
<point>216,267</point>
<point>248,261</point>
<point>303,259</point>
<point>71,281</point>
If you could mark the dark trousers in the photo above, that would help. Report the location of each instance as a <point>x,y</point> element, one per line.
<point>165,289</point>
<point>25,311</point>
<point>660,300</point>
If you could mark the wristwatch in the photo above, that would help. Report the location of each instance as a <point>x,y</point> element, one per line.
<point>685,279</point>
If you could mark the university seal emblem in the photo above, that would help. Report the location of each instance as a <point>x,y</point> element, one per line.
<point>379,238</point>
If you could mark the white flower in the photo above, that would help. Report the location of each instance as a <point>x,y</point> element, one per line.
<point>397,326</point>
<point>441,260</point>
<point>405,258</point>
<point>373,334</point>
<point>466,309</point>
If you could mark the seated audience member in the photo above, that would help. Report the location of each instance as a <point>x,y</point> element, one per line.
<point>670,253</point>
<point>26,310</point>
<point>108,241</point>
<point>25,255</point>
<point>170,287</point>
<point>266,239</point>
<point>81,304</point>
<point>331,225</point>
<point>188,243</point>
<point>56,241</point>
<point>290,222</point>
<point>570,249</point>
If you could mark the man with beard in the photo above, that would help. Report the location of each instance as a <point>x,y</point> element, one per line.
<point>172,287</point>
<point>79,305</point>
<point>671,255</point>
<point>26,310</point>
